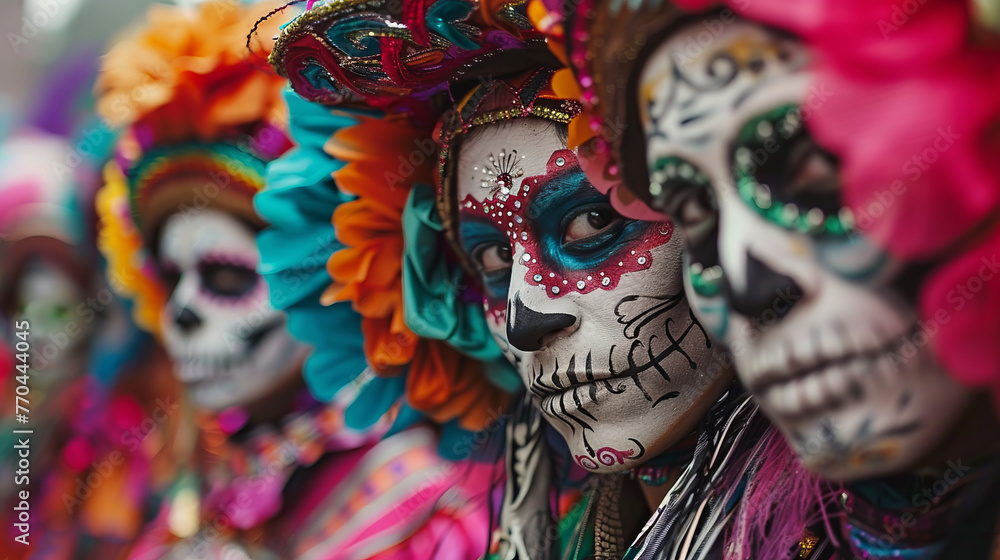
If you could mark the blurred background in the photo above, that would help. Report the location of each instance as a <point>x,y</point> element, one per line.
<point>40,35</point>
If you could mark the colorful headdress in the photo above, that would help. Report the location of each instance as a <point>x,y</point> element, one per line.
<point>39,215</point>
<point>419,323</point>
<point>414,320</point>
<point>383,53</point>
<point>527,95</point>
<point>201,113</point>
<point>876,73</point>
<point>300,197</point>
<point>194,102</point>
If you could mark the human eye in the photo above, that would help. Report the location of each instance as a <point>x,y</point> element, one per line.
<point>591,227</point>
<point>492,258</point>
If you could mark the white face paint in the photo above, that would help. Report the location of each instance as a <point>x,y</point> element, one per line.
<point>589,305</point>
<point>230,347</point>
<point>49,299</point>
<point>816,317</point>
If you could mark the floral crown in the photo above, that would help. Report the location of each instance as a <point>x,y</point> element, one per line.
<point>201,115</point>
<point>382,53</point>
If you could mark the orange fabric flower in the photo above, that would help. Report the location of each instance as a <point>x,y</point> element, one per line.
<point>188,76</point>
<point>384,158</point>
<point>368,271</point>
<point>446,384</point>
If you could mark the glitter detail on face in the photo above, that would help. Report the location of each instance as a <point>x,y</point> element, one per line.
<point>496,310</point>
<point>535,216</point>
<point>500,173</point>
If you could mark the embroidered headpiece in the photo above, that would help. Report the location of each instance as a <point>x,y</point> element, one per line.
<point>528,95</point>
<point>377,52</point>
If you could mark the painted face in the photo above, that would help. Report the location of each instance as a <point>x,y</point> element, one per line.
<point>228,344</point>
<point>589,305</point>
<point>821,324</point>
<point>49,299</point>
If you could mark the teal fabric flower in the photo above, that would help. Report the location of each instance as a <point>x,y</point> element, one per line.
<point>298,203</point>
<point>433,305</point>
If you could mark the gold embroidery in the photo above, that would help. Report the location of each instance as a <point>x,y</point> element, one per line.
<point>807,544</point>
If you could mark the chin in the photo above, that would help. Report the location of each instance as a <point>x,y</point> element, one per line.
<point>847,446</point>
<point>606,459</point>
<point>872,460</point>
<point>215,399</point>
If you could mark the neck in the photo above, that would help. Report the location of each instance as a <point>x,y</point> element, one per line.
<point>658,475</point>
<point>276,404</point>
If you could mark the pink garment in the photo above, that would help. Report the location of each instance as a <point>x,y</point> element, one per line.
<point>401,501</point>
<point>396,499</point>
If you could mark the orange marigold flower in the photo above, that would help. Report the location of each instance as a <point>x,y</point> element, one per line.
<point>384,158</point>
<point>187,74</point>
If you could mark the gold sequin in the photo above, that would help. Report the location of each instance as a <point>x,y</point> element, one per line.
<point>807,544</point>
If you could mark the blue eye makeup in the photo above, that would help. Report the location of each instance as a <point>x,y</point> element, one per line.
<point>564,203</point>
<point>479,238</point>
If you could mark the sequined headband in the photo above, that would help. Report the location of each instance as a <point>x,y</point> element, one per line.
<point>529,95</point>
<point>371,51</point>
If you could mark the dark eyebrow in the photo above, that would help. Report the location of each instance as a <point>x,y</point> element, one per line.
<point>568,184</point>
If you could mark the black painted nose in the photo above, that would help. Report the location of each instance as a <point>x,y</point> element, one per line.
<point>187,320</point>
<point>526,327</point>
<point>769,295</point>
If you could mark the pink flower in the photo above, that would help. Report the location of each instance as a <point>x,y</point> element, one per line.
<point>910,104</point>
<point>960,294</point>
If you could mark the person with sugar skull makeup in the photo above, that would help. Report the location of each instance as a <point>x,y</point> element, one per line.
<point>567,280</point>
<point>75,362</point>
<point>271,472</point>
<point>573,292</point>
<point>836,189</point>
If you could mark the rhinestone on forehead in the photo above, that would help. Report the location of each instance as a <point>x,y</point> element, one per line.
<point>507,213</point>
<point>500,173</point>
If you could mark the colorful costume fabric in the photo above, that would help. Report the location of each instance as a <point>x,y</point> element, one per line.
<point>92,477</point>
<point>305,485</point>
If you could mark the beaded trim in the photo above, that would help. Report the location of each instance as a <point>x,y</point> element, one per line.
<point>608,533</point>
<point>531,96</point>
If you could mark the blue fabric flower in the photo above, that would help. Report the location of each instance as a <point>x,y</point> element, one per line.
<point>433,302</point>
<point>298,203</point>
